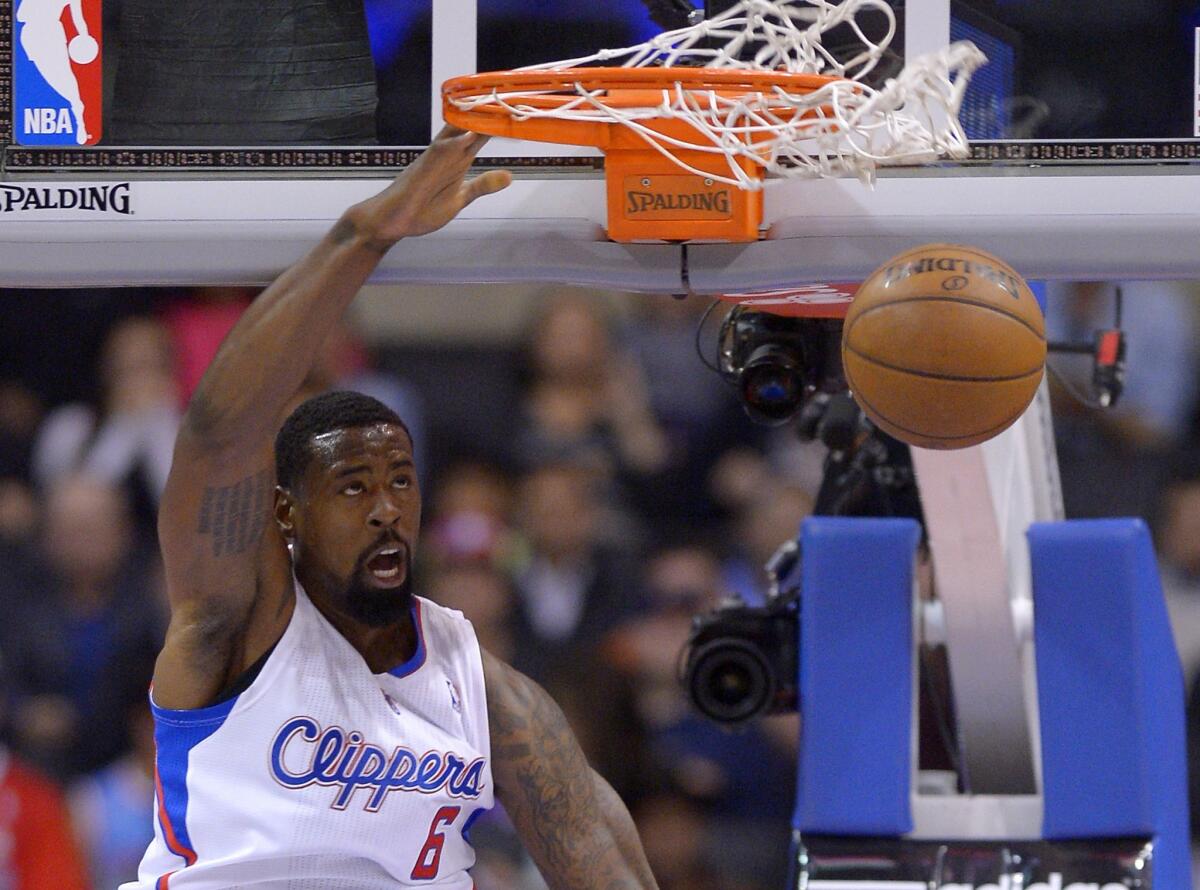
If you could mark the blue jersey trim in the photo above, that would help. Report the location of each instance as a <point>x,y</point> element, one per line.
<point>470,823</point>
<point>176,733</point>
<point>192,716</point>
<point>418,658</point>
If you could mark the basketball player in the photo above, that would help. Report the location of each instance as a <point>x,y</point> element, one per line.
<point>45,42</point>
<point>317,725</point>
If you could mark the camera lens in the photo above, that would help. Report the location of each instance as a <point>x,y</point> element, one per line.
<point>772,384</point>
<point>730,681</point>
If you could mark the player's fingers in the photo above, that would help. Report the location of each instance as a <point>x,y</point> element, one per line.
<point>471,143</point>
<point>449,131</point>
<point>486,184</point>
<point>460,138</point>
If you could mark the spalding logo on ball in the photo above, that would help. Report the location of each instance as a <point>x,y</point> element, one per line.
<point>944,346</point>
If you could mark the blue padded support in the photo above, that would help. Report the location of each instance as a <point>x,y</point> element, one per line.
<point>1110,691</point>
<point>1038,288</point>
<point>856,676</point>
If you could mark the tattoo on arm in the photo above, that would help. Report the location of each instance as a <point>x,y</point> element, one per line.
<point>624,832</point>
<point>234,516</point>
<point>552,797</point>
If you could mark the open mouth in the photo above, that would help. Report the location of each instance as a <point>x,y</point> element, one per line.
<point>387,565</point>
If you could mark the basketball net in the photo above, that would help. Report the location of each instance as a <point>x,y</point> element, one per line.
<point>843,127</point>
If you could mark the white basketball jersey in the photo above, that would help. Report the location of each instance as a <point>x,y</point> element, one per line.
<point>322,774</point>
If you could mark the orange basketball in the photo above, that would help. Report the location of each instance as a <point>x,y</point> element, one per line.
<point>944,346</point>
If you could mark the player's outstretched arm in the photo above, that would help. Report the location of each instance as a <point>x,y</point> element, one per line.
<point>574,825</point>
<point>225,563</point>
<point>268,354</point>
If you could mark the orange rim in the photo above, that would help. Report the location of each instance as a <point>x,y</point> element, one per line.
<point>624,88</point>
<point>618,82</point>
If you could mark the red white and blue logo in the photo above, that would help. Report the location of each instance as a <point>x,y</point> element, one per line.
<point>57,82</point>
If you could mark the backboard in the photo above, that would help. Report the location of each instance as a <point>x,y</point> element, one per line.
<point>1083,129</point>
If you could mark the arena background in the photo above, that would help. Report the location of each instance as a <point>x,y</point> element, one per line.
<point>590,485</point>
<point>556,428</point>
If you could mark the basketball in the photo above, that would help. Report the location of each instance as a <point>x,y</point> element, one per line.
<point>944,346</point>
<point>83,49</point>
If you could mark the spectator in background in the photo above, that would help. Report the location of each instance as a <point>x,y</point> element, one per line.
<point>20,413</point>
<point>37,848</point>
<point>198,321</point>
<point>20,416</point>
<point>469,519</point>
<point>680,581</point>
<point>574,584</point>
<point>112,808</point>
<point>697,411</point>
<point>19,571</point>
<point>746,780</point>
<point>87,611</point>
<point>484,594</point>
<point>345,362</point>
<point>769,515</point>
<point>128,439</point>
<point>685,849</point>
<point>18,521</point>
<point>1178,539</point>
<point>583,401</point>
<point>473,488</point>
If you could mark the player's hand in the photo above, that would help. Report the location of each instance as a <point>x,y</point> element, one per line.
<point>433,190</point>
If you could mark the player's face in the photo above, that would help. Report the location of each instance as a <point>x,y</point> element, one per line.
<point>356,524</point>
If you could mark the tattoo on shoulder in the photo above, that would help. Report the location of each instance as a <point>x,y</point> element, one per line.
<point>234,516</point>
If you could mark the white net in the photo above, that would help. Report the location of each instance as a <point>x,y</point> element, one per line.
<point>846,126</point>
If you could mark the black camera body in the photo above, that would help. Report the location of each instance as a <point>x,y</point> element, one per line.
<point>778,362</point>
<point>742,661</point>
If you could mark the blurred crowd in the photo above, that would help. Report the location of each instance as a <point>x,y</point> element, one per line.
<point>603,489</point>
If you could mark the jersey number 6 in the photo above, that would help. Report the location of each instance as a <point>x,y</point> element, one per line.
<point>431,854</point>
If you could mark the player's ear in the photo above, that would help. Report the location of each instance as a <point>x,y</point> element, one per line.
<point>285,512</point>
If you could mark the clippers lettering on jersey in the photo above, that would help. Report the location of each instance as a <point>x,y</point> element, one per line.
<point>341,759</point>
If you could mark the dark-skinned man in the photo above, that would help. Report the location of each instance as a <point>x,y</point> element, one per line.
<point>318,725</point>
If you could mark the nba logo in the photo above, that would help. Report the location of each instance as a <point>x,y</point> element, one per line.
<point>57,79</point>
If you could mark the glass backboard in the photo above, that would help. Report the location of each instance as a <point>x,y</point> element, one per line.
<point>232,134</point>
<point>1065,82</point>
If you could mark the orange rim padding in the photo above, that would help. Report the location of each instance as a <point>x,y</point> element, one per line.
<point>650,198</point>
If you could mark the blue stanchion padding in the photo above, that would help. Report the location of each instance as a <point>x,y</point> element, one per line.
<point>1038,288</point>
<point>1110,691</point>
<point>856,676</point>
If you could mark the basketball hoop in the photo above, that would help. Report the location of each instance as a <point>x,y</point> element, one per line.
<point>688,147</point>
